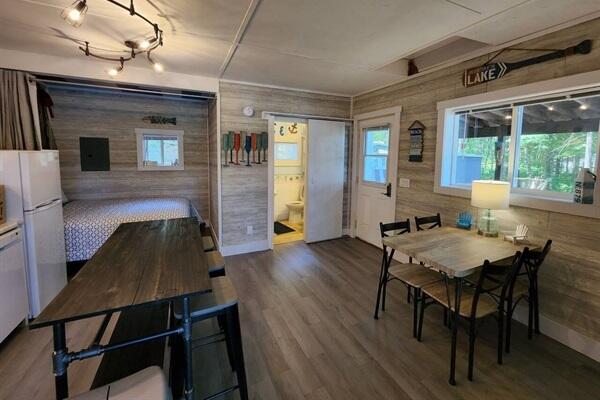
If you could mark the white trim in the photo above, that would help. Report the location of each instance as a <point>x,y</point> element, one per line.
<point>267,114</point>
<point>271,178</point>
<point>141,132</point>
<point>563,334</point>
<point>572,83</point>
<point>385,112</point>
<point>219,175</point>
<point>481,52</point>
<point>264,85</point>
<point>244,248</point>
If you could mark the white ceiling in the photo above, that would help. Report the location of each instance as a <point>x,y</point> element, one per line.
<point>338,46</point>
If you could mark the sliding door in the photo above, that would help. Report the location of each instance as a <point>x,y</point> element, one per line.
<point>325,173</point>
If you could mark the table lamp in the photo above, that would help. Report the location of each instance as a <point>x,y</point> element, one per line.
<point>488,196</point>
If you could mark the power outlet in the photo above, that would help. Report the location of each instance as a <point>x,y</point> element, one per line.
<point>249,230</point>
<point>404,182</point>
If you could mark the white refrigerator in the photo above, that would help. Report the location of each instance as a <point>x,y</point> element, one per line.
<point>33,199</point>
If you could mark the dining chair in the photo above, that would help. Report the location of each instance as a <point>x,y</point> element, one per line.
<point>430,222</point>
<point>414,276</point>
<point>476,302</point>
<point>526,287</point>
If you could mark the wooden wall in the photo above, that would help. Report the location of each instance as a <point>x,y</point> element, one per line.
<point>213,164</point>
<point>115,115</point>
<point>244,190</point>
<point>570,279</point>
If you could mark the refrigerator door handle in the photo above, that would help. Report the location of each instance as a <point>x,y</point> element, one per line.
<point>45,206</point>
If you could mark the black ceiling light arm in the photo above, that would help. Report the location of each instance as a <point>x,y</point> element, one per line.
<point>133,46</point>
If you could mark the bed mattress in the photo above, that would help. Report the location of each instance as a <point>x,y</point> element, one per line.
<point>89,223</point>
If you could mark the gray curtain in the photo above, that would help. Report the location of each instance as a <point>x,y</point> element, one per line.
<point>17,126</point>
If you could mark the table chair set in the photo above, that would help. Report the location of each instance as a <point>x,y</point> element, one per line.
<point>470,276</point>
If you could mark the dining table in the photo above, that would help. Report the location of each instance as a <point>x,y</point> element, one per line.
<point>457,253</point>
<point>141,264</point>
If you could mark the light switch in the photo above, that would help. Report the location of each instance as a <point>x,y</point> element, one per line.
<point>404,182</point>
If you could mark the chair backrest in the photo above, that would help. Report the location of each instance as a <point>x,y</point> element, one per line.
<point>429,222</point>
<point>535,259</point>
<point>399,227</point>
<point>494,277</point>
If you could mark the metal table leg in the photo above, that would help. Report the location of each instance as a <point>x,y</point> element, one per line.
<point>187,346</point>
<point>61,383</point>
<point>455,319</point>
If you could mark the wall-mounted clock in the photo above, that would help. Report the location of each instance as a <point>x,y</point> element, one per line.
<point>248,111</point>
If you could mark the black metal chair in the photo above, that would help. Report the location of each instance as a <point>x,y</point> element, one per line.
<point>414,276</point>
<point>476,302</point>
<point>526,287</point>
<point>430,222</point>
<point>221,303</point>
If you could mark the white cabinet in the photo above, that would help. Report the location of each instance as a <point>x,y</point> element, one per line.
<point>13,289</point>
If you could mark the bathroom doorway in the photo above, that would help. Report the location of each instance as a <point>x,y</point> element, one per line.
<point>289,178</point>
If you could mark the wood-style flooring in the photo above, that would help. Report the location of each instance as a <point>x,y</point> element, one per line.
<point>309,334</point>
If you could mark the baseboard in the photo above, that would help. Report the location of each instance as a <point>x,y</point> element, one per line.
<point>346,232</point>
<point>563,334</point>
<point>244,248</point>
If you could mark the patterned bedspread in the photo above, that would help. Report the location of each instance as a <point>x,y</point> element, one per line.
<point>89,223</point>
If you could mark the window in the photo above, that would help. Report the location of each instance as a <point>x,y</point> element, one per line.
<point>375,154</point>
<point>159,149</point>
<point>539,145</point>
<point>286,151</point>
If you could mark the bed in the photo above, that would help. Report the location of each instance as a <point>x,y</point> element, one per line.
<point>89,223</point>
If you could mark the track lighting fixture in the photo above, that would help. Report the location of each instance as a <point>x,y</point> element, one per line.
<point>74,15</point>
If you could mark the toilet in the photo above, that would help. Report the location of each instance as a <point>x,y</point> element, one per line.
<point>296,208</point>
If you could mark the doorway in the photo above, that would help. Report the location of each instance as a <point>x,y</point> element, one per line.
<point>306,179</point>
<point>376,160</point>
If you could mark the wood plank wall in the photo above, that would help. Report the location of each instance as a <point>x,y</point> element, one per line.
<point>115,115</point>
<point>244,190</point>
<point>570,279</point>
<point>213,165</point>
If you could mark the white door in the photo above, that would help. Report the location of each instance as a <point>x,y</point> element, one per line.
<point>376,176</point>
<point>325,172</point>
<point>46,263</point>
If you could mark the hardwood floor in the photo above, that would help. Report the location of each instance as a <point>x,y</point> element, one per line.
<point>309,334</point>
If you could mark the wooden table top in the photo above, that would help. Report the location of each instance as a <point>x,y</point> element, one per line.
<point>141,263</point>
<point>457,252</point>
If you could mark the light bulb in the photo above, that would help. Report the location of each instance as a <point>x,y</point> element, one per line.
<point>158,67</point>
<point>144,44</point>
<point>583,107</point>
<point>550,108</point>
<point>74,14</point>
<point>113,72</point>
<point>508,117</point>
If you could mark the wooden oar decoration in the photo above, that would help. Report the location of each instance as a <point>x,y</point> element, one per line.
<point>492,71</point>
<point>248,147</point>
<point>236,147</point>
<point>265,145</point>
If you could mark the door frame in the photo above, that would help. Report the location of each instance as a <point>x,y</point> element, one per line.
<point>395,113</point>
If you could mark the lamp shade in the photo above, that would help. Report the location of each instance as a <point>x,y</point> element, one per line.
<point>490,194</point>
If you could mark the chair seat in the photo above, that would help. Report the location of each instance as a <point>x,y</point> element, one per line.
<point>223,295</point>
<point>215,260</point>
<point>207,243</point>
<point>439,293</point>
<point>147,384</point>
<point>415,275</point>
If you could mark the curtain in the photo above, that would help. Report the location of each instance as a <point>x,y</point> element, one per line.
<point>17,115</point>
<point>46,113</point>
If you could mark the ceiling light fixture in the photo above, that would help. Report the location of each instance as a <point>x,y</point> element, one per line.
<point>508,117</point>
<point>550,108</point>
<point>74,15</point>
<point>583,107</point>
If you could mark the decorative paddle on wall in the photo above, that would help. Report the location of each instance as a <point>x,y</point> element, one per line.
<point>236,147</point>
<point>265,145</point>
<point>492,71</point>
<point>258,146</point>
<point>224,148</point>
<point>230,139</point>
<point>248,147</point>
<point>243,135</point>
<point>253,142</point>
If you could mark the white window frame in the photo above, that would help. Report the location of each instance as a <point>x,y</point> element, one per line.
<point>579,83</point>
<point>364,155</point>
<point>141,132</point>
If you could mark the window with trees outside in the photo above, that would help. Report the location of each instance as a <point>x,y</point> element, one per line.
<point>159,149</point>
<point>539,146</point>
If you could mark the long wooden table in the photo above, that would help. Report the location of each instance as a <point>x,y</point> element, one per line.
<point>141,264</point>
<point>457,253</point>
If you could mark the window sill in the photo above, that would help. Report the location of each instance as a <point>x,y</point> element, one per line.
<point>535,202</point>
<point>156,168</point>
